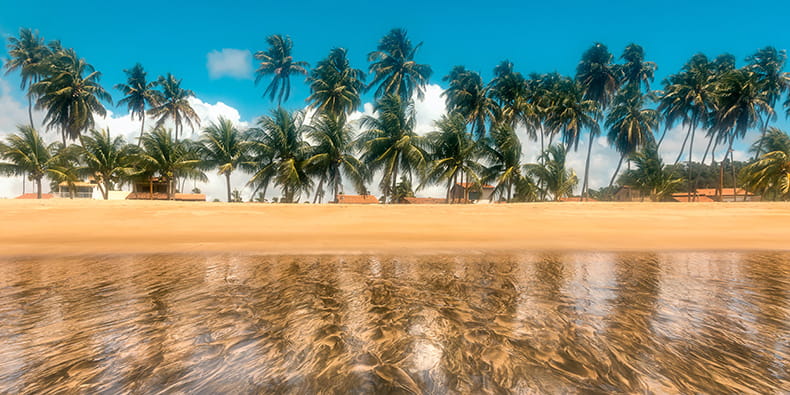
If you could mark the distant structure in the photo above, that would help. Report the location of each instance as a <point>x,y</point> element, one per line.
<point>422,200</point>
<point>35,196</point>
<point>576,199</point>
<point>77,190</point>
<point>628,194</point>
<point>467,192</point>
<point>155,188</point>
<point>354,199</point>
<point>703,195</point>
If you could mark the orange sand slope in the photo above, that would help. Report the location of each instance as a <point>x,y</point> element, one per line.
<point>108,227</point>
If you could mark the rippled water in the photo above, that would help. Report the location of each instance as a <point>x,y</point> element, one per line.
<point>536,323</point>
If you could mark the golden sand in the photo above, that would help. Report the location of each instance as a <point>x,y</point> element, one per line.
<point>109,227</point>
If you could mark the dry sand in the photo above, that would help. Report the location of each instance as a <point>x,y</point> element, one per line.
<point>108,227</point>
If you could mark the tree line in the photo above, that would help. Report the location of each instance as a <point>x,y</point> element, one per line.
<point>476,141</point>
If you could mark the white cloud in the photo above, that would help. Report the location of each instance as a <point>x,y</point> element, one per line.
<point>229,62</point>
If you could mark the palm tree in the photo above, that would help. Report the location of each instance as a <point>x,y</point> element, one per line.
<point>768,64</point>
<point>389,143</point>
<point>468,96</point>
<point>332,156</point>
<point>169,158</point>
<point>599,81</point>
<point>770,176</point>
<point>503,150</point>
<point>335,86</point>
<point>139,94</point>
<point>394,69</point>
<point>27,153</point>
<point>636,71</point>
<point>569,112</point>
<point>557,180</point>
<point>223,147</point>
<point>27,54</point>
<point>630,124</point>
<point>71,94</point>
<point>741,101</point>
<point>649,175</point>
<point>108,159</point>
<point>509,90</point>
<point>453,153</point>
<point>282,153</point>
<point>173,104</point>
<point>278,62</point>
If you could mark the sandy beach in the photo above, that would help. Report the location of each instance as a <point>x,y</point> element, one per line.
<point>68,227</point>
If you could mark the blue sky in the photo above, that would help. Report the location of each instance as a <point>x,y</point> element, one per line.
<point>178,36</point>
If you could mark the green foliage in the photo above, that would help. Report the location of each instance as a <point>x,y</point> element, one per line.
<point>552,176</point>
<point>650,176</point>
<point>394,69</point>
<point>278,62</point>
<point>172,103</point>
<point>335,86</point>
<point>402,190</point>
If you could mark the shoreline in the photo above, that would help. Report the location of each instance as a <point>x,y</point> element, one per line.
<point>65,227</point>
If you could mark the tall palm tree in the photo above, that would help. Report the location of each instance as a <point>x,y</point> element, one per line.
<point>107,158</point>
<point>468,96</point>
<point>139,94</point>
<point>509,89</point>
<point>27,54</point>
<point>636,71</point>
<point>556,179</point>
<point>27,153</point>
<point>503,150</point>
<point>278,62</point>
<point>389,142</point>
<point>223,147</point>
<point>741,102</point>
<point>649,175</point>
<point>70,95</point>
<point>569,112</point>
<point>453,153</point>
<point>768,64</point>
<point>598,78</point>
<point>335,86</point>
<point>394,69</point>
<point>282,153</point>
<point>770,176</point>
<point>169,158</point>
<point>173,104</point>
<point>332,155</point>
<point>630,124</point>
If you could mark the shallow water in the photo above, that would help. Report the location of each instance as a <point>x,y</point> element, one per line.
<point>532,323</point>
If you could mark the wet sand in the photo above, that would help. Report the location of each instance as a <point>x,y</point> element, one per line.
<point>65,227</point>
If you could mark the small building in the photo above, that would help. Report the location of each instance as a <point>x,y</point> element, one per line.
<point>467,192</point>
<point>35,196</point>
<point>577,199</point>
<point>421,200</point>
<point>354,199</point>
<point>181,197</point>
<point>728,194</point>
<point>684,197</point>
<point>81,189</point>
<point>627,193</point>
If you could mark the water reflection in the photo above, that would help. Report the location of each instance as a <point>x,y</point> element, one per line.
<point>547,323</point>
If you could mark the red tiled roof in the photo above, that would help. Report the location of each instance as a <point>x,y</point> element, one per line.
<point>577,199</point>
<point>356,199</point>
<point>427,200</point>
<point>35,196</point>
<point>184,197</point>
<point>685,198</point>
<point>724,191</point>
<point>466,185</point>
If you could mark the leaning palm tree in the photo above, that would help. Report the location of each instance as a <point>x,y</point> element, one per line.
<point>552,174</point>
<point>332,155</point>
<point>173,104</point>
<point>139,94</point>
<point>278,62</point>
<point>282,154</point>
<point>27,54</point>
<point>108,159</point>
<point>394,69</point>
<point>71,94</point>
<point>503,150</point>
<point>468,96</point>
<point>768,64</point>
<point>770,175</point>
<point>630,123</point>
<point>27,153</point>
<point>389,143</point>
<point>598,78</point>
<point>453,153</point>
<point>169,158</point>
<point>335,86</point>
<point>223,147</point>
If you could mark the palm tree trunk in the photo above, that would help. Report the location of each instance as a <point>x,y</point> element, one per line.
<point>106,191</point>
<point>587,168</point>
<point>38,188</point>
<point>142,130</point>
<point>705,155</point>
<point>541,143</point>
<point>762,137</point>
<point>151,187</point>
<point>683,147</point>
<point>691,147</point>
<point>394,181</point>
<point>30,109</point>
<point>661,140</point>
<point>734,180</point>
<point>318,190</point>
<point>227,184</point>
<point>617,170</point>
<point>23,182</point>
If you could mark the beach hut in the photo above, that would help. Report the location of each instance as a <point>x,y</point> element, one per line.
<point>467,192</point>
